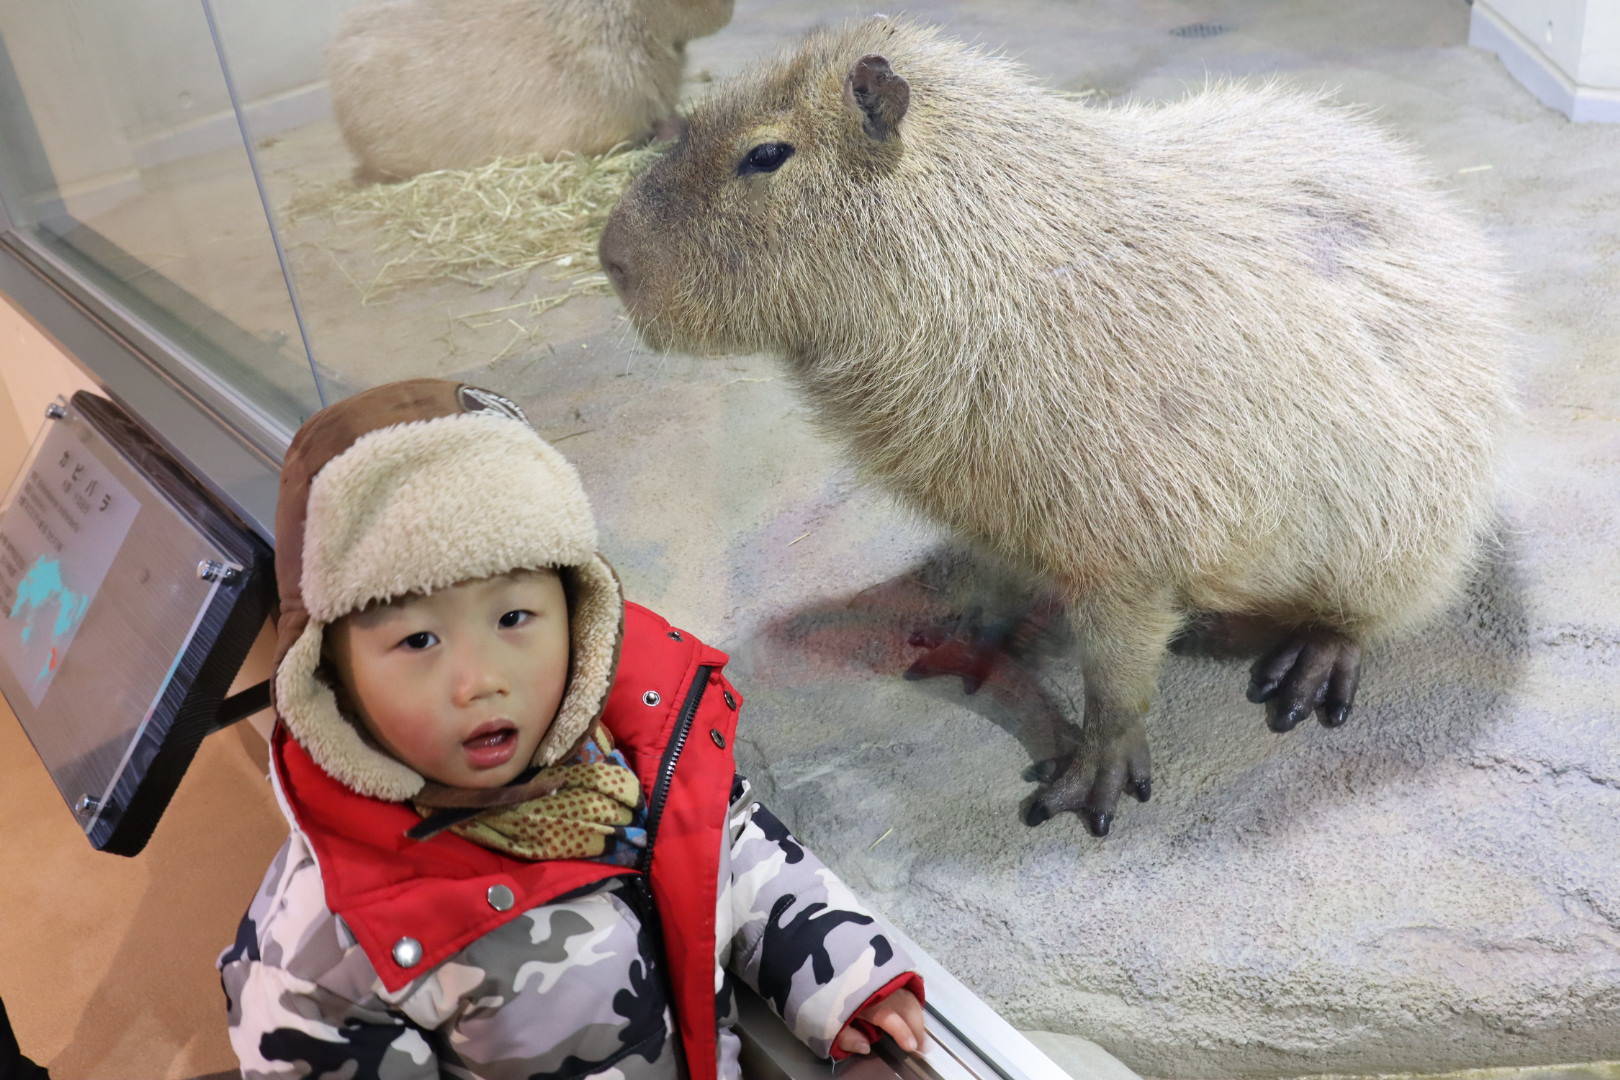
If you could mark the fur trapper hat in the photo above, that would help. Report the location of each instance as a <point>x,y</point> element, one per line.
<point>408,488</point>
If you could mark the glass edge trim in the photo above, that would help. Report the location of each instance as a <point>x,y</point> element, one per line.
<point>231,448</point>
<point>976,1024</point>
<point>217,396</point>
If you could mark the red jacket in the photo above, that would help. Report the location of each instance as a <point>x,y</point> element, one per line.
<point>672,714</point>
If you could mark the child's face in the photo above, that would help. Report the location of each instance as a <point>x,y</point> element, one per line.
<point>461,684</point>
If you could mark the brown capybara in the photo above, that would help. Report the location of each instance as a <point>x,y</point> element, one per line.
<point>1228,360</point>
<point>452,84</point>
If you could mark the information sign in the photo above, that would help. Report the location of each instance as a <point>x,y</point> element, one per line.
<point>128,598</point>
<point>59,533</point>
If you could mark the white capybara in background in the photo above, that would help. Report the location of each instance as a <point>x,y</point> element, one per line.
<point>452,84</point>
<point>1226,362</point>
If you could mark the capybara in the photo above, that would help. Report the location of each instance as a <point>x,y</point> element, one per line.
<point>452,84</point>
<point>1226,362</point>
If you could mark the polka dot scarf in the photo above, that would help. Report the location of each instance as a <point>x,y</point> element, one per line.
<point>595,812</point>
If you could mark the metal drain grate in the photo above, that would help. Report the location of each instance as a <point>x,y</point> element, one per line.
<point>1198,30</point>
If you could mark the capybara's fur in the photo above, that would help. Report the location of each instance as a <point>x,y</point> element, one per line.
<point>1230,355</point>
<point>452,84</point>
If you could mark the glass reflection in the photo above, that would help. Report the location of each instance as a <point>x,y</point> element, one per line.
<point>121,160</point>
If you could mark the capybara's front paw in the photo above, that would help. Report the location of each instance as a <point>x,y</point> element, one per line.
<point>1311,670</point>
<point>1090,781</point>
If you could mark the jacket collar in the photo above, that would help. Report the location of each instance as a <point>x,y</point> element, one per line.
<point>387,887</point>
<point>410,904</point>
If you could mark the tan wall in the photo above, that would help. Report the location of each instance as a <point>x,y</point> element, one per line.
<point>13,437</point>
<point>33,372</point>
<point>106,963</point>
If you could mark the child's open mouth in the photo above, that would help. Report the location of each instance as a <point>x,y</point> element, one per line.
<point>491,745</point>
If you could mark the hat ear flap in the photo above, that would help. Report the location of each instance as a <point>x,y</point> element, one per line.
<point>309,708</point>
<point>596,626</point>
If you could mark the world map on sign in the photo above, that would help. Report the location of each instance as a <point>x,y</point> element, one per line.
<point>41,589</point>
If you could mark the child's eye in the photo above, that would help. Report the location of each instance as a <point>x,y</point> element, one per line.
<point>422,639</point>
<point>514,618</point>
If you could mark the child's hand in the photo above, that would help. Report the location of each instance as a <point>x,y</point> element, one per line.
<point>900,1014</point>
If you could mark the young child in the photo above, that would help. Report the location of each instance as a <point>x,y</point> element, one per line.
<point>518,847</point>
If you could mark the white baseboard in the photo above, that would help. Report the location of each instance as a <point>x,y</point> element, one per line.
<point>268,116</point>
<point>1538,74</point>
<point>88,199</point>
<point>83,201</point>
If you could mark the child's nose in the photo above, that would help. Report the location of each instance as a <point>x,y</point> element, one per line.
<point>477,677</point>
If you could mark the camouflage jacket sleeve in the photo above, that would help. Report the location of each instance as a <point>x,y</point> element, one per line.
<point>567,989</point>
<point>302,996</point>
<point>797,935</point>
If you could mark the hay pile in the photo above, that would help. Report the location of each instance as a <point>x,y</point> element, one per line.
<point>487,226</point>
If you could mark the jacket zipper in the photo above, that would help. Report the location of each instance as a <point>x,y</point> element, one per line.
<point>672,753</point>
<point>641,884</point>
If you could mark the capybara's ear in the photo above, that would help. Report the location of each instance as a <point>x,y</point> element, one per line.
<point>878,94</point>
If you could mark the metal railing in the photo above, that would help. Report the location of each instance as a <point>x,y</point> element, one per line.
<point>967,1040</point>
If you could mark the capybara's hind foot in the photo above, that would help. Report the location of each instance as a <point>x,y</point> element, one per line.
<point>1090,781</point>
<point>1313,669</point>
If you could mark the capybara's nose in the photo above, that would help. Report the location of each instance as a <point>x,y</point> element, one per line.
<point>617,274</point>
<point>613,253</point>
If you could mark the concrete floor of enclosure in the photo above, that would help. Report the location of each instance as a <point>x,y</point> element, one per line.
<point>1434,887</point>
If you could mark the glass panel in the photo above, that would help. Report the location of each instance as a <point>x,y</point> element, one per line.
<point>428,277</point>
<point>447,274</point>
<point>122,162</point>
<point>436,277</point>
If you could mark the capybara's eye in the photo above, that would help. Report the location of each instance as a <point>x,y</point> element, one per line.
<point>766,157</point>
